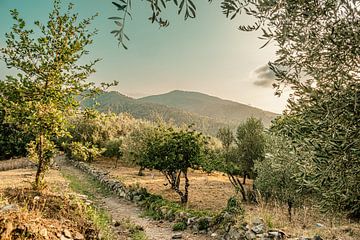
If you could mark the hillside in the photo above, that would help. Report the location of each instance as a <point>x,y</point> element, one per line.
<point>118,103</point>
<point>213,107</point>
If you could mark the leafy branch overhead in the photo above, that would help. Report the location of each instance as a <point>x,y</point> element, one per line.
<point>187,7</point>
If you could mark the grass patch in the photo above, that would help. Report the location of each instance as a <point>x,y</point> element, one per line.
<point>136,231</point>
<point>179,226</point>
<point>88,186</point>
<point>101,220</point>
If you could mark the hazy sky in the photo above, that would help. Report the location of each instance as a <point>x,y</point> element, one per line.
<point>207,54</point>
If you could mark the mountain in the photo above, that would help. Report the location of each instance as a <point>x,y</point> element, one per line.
<point>213,107</point>
<point>118,103</point>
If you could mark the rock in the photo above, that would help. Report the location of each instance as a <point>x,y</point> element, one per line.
<point>176,236</point>
<point>62,237</point>
<point>213,235</point>
<point>234,234</point>
<point>67,233</point>
<point>43,232</point>
<point>8,208</point>
<point>257,229</point>
<point>317,237</point>
<point>249,235</point>
<point>78,236</point>
<point>117,223</point>
<point>319,225</point>
<point>137,198</point>
<point>191,220</point>
<point>275,235</point>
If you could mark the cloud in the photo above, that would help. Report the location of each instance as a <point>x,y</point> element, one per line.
<point>263,76</point>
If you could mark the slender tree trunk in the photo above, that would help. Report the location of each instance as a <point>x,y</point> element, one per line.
<point>290,204</point>
<point>140,173</point>
<point>116,162</point>
<point>238,186</point>
<point>185,197</point>
<point>39,173</point>
<point>244,178</point>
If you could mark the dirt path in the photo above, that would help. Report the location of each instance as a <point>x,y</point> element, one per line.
<point>121,209</point>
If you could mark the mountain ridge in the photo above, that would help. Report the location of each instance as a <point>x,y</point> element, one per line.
<point>210,106</point>
<point>208,113</point>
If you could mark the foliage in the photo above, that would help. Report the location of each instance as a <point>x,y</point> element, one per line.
<point>93,133</point>
<point>156,6</point>
<point>13,141</point>
<point>42,94</point>
<point>179,226</point>
<point>226,137</point>
<point>251,143</point>
<point>277,173</point>
<point>83,152</point>
<point>171,151</point>
<point>321,65</point>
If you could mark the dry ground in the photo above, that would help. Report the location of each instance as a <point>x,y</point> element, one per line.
<point>207,191</point>
<point>211,192</point>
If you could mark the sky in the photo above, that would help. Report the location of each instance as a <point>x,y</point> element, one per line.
<point>206,54</point>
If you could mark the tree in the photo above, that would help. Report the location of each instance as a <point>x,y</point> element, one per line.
<point>277,174</point>
<point>172,152</point>
<point>251,143</point>
<point>317,59</point>
<point>42,95</point>
<point>226,137</point>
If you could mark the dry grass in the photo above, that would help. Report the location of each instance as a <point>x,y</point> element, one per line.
<point>207,191</point>
<point>211,192</point>
<point>306,221</point>
<point>15,163</point>
<point>40,215</point>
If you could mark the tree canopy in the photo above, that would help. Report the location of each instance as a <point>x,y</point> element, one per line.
<point>43,93</point>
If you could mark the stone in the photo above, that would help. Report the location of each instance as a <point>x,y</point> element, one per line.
<point>78,236</point>
<point>234,234</point>
<point>257,229</point>
<point>213,235</point>
<point>319,225</point>
<point>317,237</point>
<point>8,208</point>
<point>176,236</point>
<point>67,233</point>
<point>191,220</point>
<point>43,232</point>
<point>62,237</point>
<point>249,235</point>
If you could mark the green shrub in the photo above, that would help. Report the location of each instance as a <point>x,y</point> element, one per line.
<point>179,226</point>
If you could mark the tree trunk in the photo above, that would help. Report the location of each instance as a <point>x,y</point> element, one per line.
<point>185,197</point>
<point>238,186</point>
<point>140,173</point>
<point>116,162</point>
<point>290,204</point>
<point>39,177</point>
<point>244,178</point>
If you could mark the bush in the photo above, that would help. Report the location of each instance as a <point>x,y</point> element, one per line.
<point>179,226</point>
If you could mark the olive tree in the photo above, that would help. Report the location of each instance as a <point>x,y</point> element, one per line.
<point>250,141</point>
<point>49,77</point>
<point>171,151</point>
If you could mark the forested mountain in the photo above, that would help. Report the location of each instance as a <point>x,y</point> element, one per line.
<point>206,112</point>
<point>117,103</point>
<point>213,107</point>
